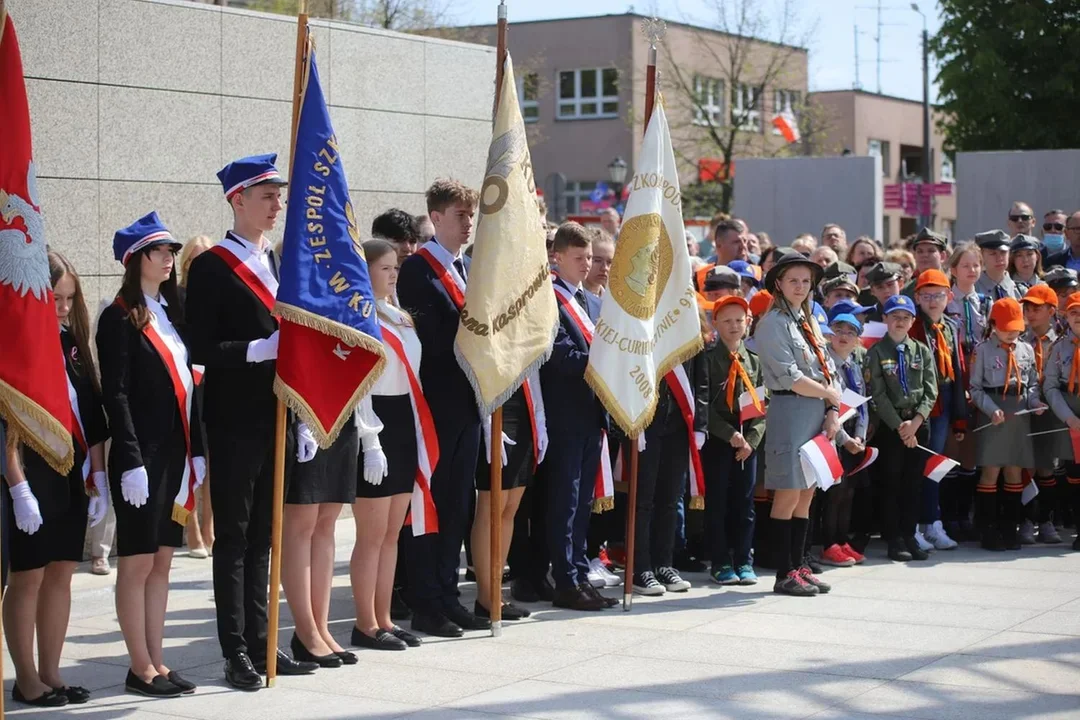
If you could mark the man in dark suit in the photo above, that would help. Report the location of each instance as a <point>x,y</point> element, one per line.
<point>230,295</point>
<point>578,420</point>
<point>431,286</point>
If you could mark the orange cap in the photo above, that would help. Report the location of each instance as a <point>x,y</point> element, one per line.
<point>1007,315</point>
<point>1041,295</point>
<point>700,275</point>
<point>730,300</point>
<point>932,278</point>
<point>761,301</point>
<point>1073,301</point>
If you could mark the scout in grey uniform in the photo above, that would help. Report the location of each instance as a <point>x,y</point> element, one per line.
<point>995,280</point>
<point>805,399</point>
<point>1003,381</point>
<point>903,383</point>
<point>1023,254</point>
<point>884,279</point>
<point>1061,384</point>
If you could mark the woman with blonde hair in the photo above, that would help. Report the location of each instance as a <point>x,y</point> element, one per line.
<point>905,260</point>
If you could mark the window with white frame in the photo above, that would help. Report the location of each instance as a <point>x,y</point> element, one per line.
<point>708,101</point>
<point>746,107</point>
<point>529,96</point>
<point>948,170</point>
<point>576,192</point>
<point>591,93</point>
<point>786,103</point>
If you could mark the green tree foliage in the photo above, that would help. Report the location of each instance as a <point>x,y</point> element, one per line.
<point>1008,74</point>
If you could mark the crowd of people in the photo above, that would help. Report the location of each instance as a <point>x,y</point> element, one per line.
<point>978,349</point>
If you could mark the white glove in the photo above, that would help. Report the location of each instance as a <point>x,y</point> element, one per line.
<point>27,512</point>
<point>306,447</point>
<point>699,439</point>
<point>263,349</point>
<point>641,442</point>
<point>505,441</point>
<point>99,503</point>
<point>375,466</point>
<point>541,445</point>
<point>135,486</point>
<point>199,464</point>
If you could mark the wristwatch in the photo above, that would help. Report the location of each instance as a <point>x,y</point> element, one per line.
<point>829,408</point>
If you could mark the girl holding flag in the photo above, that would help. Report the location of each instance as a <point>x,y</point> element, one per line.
<point>156,461</point>
<point>48,513</point>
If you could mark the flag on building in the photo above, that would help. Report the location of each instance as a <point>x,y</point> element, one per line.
<point>648,318</point>
<point>33,379</point>
<point>820,462</point>
<point>510,315</point>
<point>788,126</point>
<point>330,349</point>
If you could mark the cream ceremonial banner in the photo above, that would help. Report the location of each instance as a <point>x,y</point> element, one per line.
<point>510,317</point>
<point>648,318</point>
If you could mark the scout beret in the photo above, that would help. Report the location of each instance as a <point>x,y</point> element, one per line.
<point>721,276</point>
<point>1024,242</point>
<point>883,272</point>
<point>993,240</point>
<point>1060,277</point>
<point>840,269</point>
<point>841,282</point>
<point>926,235</point>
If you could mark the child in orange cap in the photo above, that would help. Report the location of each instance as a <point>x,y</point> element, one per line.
<point>1003,381</point>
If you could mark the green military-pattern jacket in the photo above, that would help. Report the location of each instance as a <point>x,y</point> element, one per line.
<point>891,403</point>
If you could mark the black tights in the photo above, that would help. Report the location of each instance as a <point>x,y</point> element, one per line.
<point>836,514</point>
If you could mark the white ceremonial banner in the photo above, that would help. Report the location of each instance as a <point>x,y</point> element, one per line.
<point>648,318</point>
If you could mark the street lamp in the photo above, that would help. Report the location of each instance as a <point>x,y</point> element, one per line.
<point>925,212</point>
<point>617,175</point>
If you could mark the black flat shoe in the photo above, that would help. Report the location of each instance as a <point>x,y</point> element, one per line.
<point>383,640</point>
<point>465,619</point>
<point>509,612</point>
<point>240,673</point>
<point>174,677</point>
<point>347,658</point>
<point>524,591</point>
<point>300,652</point>
<point>403,634</point>
<point>159,687</point>
<point>49,698</point>
<point>76,695</point>
<point>437,624</point>
<point>287,666</point>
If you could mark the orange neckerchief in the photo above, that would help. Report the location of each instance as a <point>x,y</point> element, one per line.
<point>739,372</point>
<point>809,335</point>
<point>1074,373</point>
<point>944,355</point>
<point>1038,355</point>
<point>1011,366</point>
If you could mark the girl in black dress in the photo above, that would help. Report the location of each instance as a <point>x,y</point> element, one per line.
<point>156,461</point>
<point>49,513</point>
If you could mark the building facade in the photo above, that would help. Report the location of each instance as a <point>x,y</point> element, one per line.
<point>864,123</point>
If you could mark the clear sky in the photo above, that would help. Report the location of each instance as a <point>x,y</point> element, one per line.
<point>832,45</point>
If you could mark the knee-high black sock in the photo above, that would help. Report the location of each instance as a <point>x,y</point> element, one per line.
<point>1047,497</point>
<point>781,540</point>
<point>798,540</point>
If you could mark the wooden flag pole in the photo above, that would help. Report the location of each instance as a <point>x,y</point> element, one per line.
<point>495,566</point>
<point>3,445</point>
<point>654,31</point>
<point>274,610</point>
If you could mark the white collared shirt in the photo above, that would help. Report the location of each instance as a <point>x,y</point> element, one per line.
<point>165,328</point>
<point>261,252</point>
<point>395,379</point>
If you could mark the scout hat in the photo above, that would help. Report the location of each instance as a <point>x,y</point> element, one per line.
<point>932,278</point>
<point>1061,278</point>
<point>721,277</point>
<point>760,302</point>
<point>846,318</point>
<point>1041,295</point>
<point>747,271</point>
<point>840,269</point>
<point>993,240</point>
<point>900,302</point>
<point>1007,315</point>
<point>839,282</point>
<point>730,300</point>
<point>1072,302</point>
<point>145,232</point>
<point>1024,242</point>
<point>249,171</point>
<point>926,235</point>
<point>786,262</point>
<point>883,272</point>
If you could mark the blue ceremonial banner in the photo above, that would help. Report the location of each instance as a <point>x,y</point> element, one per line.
<point>330,348</point>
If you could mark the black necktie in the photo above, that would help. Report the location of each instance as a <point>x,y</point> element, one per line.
<point>580,297</point>
<point>460,265</point>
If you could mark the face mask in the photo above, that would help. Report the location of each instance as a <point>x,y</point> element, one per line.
<point>1054,243</point>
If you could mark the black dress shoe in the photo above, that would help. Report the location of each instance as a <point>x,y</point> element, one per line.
<point>522,590</point>
<point>860,542</point>
<point>912,545</point>
<point>347,658</point>
<point>300,652</point>
<point>159,687</point>
<point>991,540</point>
<point>593,592</point>
<point>49,698</point>
<point>186,686</point>
<point>76,695</point>
<point>577,599</point>
<point>465,619</point>
<point>436,624</point>
<point>545,589</point>
<point>287,666</point>
<point>509,612</point>
<point>684,562</point>
<point>399,610</point>
<point>898,553</point>
<point>403,634</point>
<point>240,673</point>
<point>383,640</point>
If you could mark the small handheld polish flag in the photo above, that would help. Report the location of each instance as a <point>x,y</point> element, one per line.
<point>850,401</point>
<point>872,332</point>
<point>1031,489</point>
<point>868,459</point>
<point>820,463</point>
<point>937,466</point>
<point>751,407</point>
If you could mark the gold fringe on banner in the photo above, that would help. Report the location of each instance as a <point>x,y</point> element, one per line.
<point>20,411</point>
<point>697,503</point>
<point>600,505</point>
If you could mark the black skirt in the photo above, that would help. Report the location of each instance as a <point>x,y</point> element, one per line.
<point>144,530</point>
<point>398,439</point>
<point>519,468</point>
<point>330,476</point>
<point>63,504</point>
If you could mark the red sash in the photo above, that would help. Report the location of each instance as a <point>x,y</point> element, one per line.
<point>79,435</point>
<point>530,404</point>
<point>183,387</point>
<point>264,288</point>
<point>456,293</point>
<point>679,384</point>
<point>577,313</point>
<point>422,513</point>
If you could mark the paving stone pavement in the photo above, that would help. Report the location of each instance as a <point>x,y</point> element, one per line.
<point>967,634</point>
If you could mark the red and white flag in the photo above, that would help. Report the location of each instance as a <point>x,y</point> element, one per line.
<point>850,402</point>
<point>788,127</point>
<point>868,459</point>
<point>872,332</point>
<point>33,380</point>
<point>820,463</point>
<point>1031,488</point>
<point>938,466</point>
<point>751,407</point>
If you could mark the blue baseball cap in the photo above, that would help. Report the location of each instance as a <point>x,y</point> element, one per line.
<point>849,307</point>
<point>846,318</point>
<point>249,171</point>
<point>899,302</point>
<point>145,232</point>
<point>744,270</point>
<point>822,319</point>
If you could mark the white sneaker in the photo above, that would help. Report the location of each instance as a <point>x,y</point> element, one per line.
<point>1048,533</point>
<point>595,579</point>
<point>596,565</point>
<point>1027,533</point>
<point>936,534</point>
<point>923,544</point>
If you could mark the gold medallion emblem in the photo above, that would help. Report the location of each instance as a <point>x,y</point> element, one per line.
<point>642,265</point>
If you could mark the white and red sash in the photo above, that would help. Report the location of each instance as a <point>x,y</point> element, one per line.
<point>448,275</point>
<point>183,386</point>
<point>256,276</point>
<point>577,313</point>
<point>679,384</point>
<point>422,513</point>
<point>531,389</point>
<point>78,433</point>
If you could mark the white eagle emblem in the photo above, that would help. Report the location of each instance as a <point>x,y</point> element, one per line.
<point>24,262</point>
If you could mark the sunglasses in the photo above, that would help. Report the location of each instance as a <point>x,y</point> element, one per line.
<point>1019,218</point>
<point>1053,226</point>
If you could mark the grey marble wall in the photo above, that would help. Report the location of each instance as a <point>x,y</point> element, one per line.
<point>136,104</point>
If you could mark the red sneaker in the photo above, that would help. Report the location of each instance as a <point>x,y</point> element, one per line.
<point>851,553</point>
<point>812,579</point>
<point>834,555</point>
<point>603,556</point>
